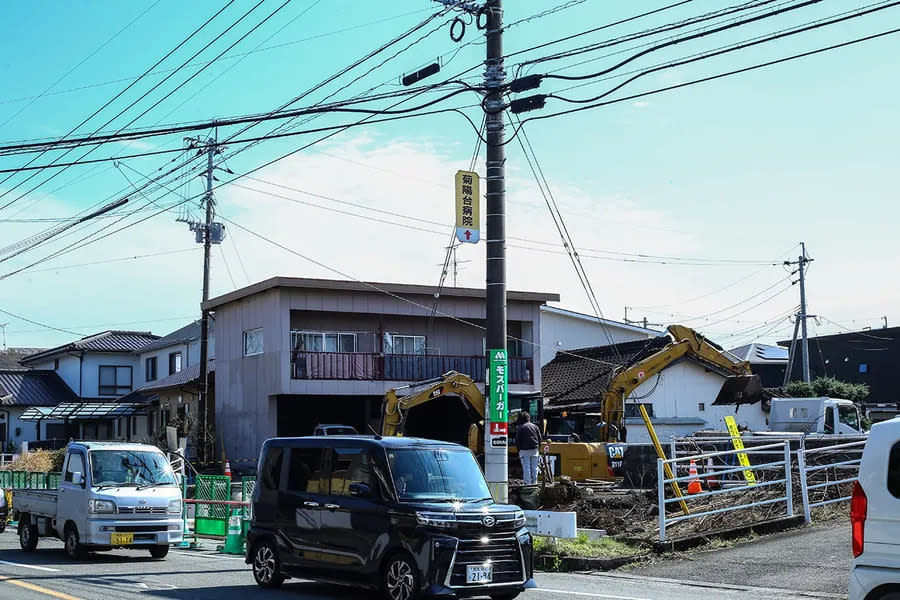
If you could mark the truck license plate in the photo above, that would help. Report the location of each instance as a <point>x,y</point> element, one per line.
<point>121,539</point>
<point>479,573</point>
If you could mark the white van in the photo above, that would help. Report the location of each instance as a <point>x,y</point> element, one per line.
<point>875,517</point>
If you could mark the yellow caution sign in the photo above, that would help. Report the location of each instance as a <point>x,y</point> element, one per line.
<point>739,445</point>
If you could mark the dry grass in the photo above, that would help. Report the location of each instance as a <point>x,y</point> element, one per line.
<point>40,461</point>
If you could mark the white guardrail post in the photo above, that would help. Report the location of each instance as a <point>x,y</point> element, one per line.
<point>788,479</point>
<point>801,469</point>
<point>661,490</point>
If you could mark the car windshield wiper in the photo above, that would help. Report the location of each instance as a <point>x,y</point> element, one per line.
<point>115,485</point>
<point>155,484</point>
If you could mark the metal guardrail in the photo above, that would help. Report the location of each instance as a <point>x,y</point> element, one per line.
<point>782,466</point>
<point>846,470</point>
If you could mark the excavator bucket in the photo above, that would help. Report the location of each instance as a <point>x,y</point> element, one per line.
<point>740,389</point>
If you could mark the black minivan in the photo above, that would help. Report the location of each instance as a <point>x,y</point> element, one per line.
<point>406,516</point>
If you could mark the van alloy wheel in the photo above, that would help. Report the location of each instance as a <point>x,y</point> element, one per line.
<point>266,570</point>
<point>264,564</point>
<point>400,580</point>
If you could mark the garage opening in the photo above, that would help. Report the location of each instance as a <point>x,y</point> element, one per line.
<point>299,415</point>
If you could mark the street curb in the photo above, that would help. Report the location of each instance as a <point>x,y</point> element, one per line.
<point>762,528</point>
<point>552,563</point>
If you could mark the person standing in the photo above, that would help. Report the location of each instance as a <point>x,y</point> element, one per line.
<point>528,441</point>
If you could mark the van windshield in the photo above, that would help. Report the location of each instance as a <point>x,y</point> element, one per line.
<point>849,416</point>
<point>130,467</point>
<point>437,475</point>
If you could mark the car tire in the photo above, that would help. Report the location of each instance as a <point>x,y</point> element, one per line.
<point>73,547</point>
<point>400,578</point>
<point>266,565</point>
<point>28,534</point>
<point>159,551</point>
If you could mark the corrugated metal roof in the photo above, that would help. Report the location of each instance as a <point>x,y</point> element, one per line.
<point>107,341</point>
<point>34,388</point>
<point>181,378</point>
<point>760,353</point>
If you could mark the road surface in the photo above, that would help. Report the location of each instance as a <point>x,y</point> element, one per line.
<point>131,575</point>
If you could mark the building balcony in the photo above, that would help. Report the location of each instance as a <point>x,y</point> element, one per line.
<point>361,366</point>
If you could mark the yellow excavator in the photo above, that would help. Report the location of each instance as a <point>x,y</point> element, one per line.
<point>606,416</point>
<point>579,461</point>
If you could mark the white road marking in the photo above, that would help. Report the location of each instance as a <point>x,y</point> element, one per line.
<point>588,594</point>
<point>214,557</point>
<point>35,567</point>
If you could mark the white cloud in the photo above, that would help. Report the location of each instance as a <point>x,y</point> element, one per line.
<point>641,104</point>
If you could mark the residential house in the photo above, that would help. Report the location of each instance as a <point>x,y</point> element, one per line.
<point>871,357</point>
<point>679,399</point>
<point>170,376</point>
<point>99,369</point>
<point>769,362</point>
<point>22,391</point>
<point>563,329</point>
<point>292,353</point>
<point>11,358</point>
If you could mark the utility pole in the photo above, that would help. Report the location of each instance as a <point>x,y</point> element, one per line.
<point>802,261</point>
<point>3,327</point>
<point>207,232</point>
<point>496,458</point>
<point>453,262</point>
<point>884,318</point>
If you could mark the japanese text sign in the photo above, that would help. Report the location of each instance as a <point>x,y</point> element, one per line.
<point>468,214</point>
<point>498,391</point>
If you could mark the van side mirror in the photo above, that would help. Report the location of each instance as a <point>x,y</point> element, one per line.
<point>78,478</point>
<point>360,490</point>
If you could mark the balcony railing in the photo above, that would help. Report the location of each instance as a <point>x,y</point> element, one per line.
<point>359,366</point>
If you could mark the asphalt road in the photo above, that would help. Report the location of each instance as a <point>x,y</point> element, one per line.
<point>815,559</point>
<point>131,575</point>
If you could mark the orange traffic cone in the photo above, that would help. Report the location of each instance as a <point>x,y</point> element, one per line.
<point>694,486</point>
<point>227,469</point>
<point>712,480</point>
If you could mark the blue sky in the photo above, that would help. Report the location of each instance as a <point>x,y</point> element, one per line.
<point>741,168</point>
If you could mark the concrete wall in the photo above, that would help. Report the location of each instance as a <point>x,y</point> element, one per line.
<point>569,332</point>
<point>676,404</point>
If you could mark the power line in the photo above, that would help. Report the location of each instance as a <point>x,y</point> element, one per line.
<point>39,324</point>
<point>117,96</point>
<point>34,99</point>
<point>236,55</point>
<point>113,260</point>
<point>711,77</point>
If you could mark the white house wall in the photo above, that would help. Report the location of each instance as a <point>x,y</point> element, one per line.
<point>676,404</point>
<point>566,332</point>
<point>90,372</point>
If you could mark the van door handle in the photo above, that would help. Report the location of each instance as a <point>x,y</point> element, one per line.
<point>332,506</point>
<point>311,504</point>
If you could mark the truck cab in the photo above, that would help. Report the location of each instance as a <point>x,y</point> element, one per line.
<point>829,416</point>
<point>110,495</point>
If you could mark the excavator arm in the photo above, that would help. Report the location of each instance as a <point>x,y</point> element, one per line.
<point>685,342</point>
<point>396,407</point>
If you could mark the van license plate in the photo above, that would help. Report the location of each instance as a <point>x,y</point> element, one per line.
<point>121,539</point>
<point>479,573</point>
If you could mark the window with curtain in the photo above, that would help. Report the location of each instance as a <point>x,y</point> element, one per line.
<point>408,344</point>
<point>309,341</point>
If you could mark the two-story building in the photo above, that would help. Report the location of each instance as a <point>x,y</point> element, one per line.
<point>563,329</point>
<point>292,353</point>
<point>170,374</point>
<point>98,369</point>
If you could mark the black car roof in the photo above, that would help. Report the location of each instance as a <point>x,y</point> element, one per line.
<point>358,440</point>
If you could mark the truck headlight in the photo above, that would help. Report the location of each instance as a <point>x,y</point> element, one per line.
<point>437,520</point>
<point>520,518</point>
<point>101,507</point>
<point>174,507</point>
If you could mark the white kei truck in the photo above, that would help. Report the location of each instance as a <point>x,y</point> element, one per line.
<point>110,495</point>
